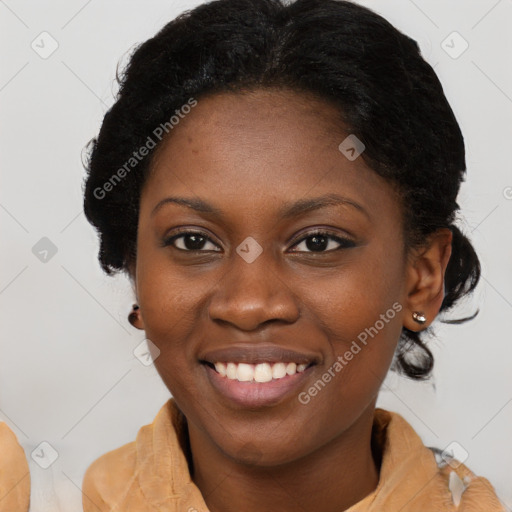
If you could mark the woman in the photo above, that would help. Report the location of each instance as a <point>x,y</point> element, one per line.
<point>279,181</point>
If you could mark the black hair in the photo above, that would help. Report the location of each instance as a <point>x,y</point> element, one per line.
<point>343,53</point>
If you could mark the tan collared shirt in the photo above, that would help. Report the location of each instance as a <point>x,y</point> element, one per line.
<point>14,473</point>
<point>152,473</point>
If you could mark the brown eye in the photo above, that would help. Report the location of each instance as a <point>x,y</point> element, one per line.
<point>190,241</point>
<point>323,241</point>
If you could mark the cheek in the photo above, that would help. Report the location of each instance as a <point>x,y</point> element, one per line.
<point>168,296</point>
<point>169,311</point>
<point>362,334</point>
<point>354,298</point>
<point>360,312</point>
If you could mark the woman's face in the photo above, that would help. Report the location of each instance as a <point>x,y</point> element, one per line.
<point>252,283</point>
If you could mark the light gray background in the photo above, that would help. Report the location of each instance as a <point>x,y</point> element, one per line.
<point>68,375</point>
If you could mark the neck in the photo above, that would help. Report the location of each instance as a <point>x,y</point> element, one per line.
<point>333,478</point>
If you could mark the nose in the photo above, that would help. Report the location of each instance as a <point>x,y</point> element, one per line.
<point>251,294</point>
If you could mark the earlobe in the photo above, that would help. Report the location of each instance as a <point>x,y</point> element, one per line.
<point>135,317</point>
<point>425,286</point>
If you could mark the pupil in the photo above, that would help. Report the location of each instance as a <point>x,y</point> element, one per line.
<point>319,242</point>
<point>197,242</point>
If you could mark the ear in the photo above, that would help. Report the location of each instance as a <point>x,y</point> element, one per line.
<point>425,278</point>
<point>135,316</point>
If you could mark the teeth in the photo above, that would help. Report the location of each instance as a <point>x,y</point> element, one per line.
<point>291,368</point>
<point>231,371</point>
<point>245,372</point>
<point>221,368</point>
<point>262,372</point>
<point>278,370</point>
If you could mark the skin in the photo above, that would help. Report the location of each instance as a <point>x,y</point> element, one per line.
<point>247,154</point>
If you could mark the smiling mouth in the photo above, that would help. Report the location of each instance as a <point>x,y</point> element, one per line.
<point>261,372</point>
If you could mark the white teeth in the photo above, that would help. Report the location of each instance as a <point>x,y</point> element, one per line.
<point>291,368</point>
<point>262,372</point>
<point>231,371</point>
<point>278,370</point>
<point>221,368</point>
<point>245,372</point>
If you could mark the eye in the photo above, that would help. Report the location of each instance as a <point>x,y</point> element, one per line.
<point>190,241</point>
<point>319,241</point>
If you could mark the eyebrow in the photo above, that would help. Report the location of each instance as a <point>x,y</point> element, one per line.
<point>288,210</point>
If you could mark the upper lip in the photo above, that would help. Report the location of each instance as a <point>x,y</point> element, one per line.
<point>254,354</point>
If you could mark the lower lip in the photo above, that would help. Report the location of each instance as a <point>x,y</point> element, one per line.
<point>257,394</point>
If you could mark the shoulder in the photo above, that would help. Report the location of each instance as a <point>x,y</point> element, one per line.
<point>11,449</point>
<point>112,480</point>
<point>432,476</point>
<point>468,490</point>
<point>107,478</point>
<point>14,473</point>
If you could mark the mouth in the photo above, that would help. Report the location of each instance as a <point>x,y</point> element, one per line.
<point>261,372</point>
<point>257,376</point>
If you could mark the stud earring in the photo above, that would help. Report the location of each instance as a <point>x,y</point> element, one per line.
<point>419,317</point>
<point>132,317</point>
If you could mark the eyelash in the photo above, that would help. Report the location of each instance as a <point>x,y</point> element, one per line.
<point>345,243</point>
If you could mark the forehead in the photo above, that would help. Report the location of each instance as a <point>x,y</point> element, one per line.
<point>259,147</point>
<point>257,117</point>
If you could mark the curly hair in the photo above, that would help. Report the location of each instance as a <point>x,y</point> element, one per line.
<point>340,52</point>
